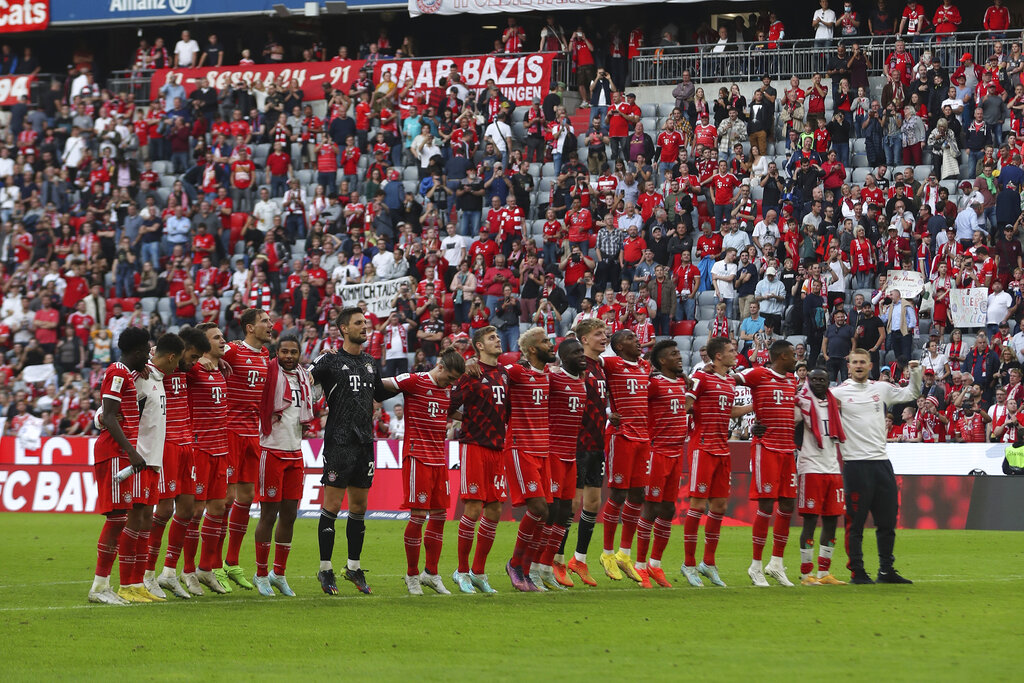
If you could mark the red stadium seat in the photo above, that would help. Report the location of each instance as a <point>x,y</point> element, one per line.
<point>683,328</point>
<point>238,221</point>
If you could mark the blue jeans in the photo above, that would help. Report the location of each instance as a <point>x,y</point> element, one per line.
<point>469,223</point>
<point>151,252</point>
<point>278,185</point>
<point>556,159</point>
<point>997,134</point>
<point>329,181</point>
<point>662,167</point>
<point>973,157</point>
<point>125,281</point>
<point>552,252</point>
<point>509,338</point>
<point>295,226</point>
<point>687,309</point>
<point>603,111</point>
<point>843,152</point>
<point>893,147</point>
<point>722,212</point>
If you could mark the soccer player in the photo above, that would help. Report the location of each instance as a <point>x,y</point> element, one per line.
<point>484,407</point>
<point>350,383</point>
<point>869,484</point>
<point>177,500</point>
<point>772,463</point>
<point>710,399</point>
<point>590,455</point>
<point>247,363</point>
<point>670,425</point>
<point>207,395</point>
<point>115,450</point>
<point>566,401</point>
<point>149,388</point>
<point>424,465</point>
<point>629,454</point>
<point>820,480</point>
<point>526,452</point>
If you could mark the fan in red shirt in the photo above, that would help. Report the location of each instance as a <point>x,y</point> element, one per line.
<point>425,465</point>
<point>649,200</point>
<point>723,184</point>
<point>771,459</point>
<point>970,426</point>
<point>670,426</point>
<point>82,322</point>
<point>115,450</point>
<point>669,142</point>
<point>526,452</point>
<point>711,397</point>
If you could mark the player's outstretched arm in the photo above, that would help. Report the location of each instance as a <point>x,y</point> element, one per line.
<point>740,411</point>
<point>111,410</point>
<point>382,391</point>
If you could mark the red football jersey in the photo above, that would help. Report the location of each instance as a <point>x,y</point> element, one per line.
<point>670,425</point>
<point>595,416</point>
<point>774,397</point>
<point>484,402</point>
<point>426,417</point>
<point>179,426</point>
<point>208,404</point>
<point>245,386</point>
<point>528,406</point>
<point>713,397</point>
<point>971,429</point>
<point>627,384</point>
<point>566,403</point>
<point>119,385</point>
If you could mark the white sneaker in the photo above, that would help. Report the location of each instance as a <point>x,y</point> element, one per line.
<point>262,584</point>
<point>757,577</point>
<point>413,584</point>
<point>537,578</point>
<point>107,597</point>
<point>208,579</point>
<point>434,581</point>
<point>192,583</point>
<point>149,581</point>
<point>692,576</point>
<point>777,572</point>
<point>169,581</point>
<point>547,575</point>
<point>711,572</point>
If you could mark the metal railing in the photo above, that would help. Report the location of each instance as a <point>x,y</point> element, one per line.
<point>801,58</point>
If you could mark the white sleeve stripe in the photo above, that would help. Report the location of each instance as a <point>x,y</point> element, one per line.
<point>112,397</point>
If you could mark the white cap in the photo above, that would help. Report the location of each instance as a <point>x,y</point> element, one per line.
<point>770,270</point>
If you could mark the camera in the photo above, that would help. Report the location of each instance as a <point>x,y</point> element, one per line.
<point>576,258</point>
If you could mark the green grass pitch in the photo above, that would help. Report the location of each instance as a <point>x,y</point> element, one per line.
<point>961,619</point>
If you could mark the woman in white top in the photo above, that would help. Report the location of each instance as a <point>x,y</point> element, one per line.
<point>955,351</point>
<point>936,362</point>
<point>758,164</point>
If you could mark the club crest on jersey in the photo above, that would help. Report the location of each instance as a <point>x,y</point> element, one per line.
<point>173,485</point>
<point>618,478</point>
<point>531,487</point>
<point>145,492</point>
<point>127,497</point>
<point>767,488</point>
<point>703,488</point>
<point>369,368</point>
<point>272,491</point>
<point>473,488</point>
<point>230,472</point>
<point>199,488</point>
<point>332,476</point>
<point>656,492</point>
<point>421,497</point>
<point>554,487</point>
<point>810,503</point>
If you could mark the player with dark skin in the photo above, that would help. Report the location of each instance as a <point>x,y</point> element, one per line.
<point>817,380</point>
<point>626,345</point>
<point>538,357</point>
<point>489,348</point>
<point>574,362</point>
<point>669,362</point>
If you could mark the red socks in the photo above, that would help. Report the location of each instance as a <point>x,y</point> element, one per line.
<point>760,533</point>
<point>175,540</point>
<point>712,529</point>
<point>433,537</point>
<point>210,554</point>
<point>238,524</point>
<point>691,528</point>
<point>630,515</point>
<point>780,533</point>
<point>106,546</point>
<point>555,535</point>
<point>281,551</point>
<point>609,520</point>
<point>126,555</point>
<point>484,540</point>
<point>643,538</point>
<point>262,558</point>
<point>156,537</point>
<point>467,527</point>
<point>413,539</point>
<point>537,544</point>
<point>190,546</point>
<point>662,531</point>
<point>527,528</point>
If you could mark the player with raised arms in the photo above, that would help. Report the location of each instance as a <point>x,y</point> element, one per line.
<point>350,383</point>
<point>820,480</point>
<point>425,465</point>
<point>710,400</point>
<point>149,387</point>
<point>566,402</point>
<point>629,455</point>
<point>772,464</point>
<point>285,410</point>
<point>247,364</point>
<point>177,501</point>
<point>208,403</point>
<point>115,450</point>
<point>590,449</point>
<point>526,452</point>
<point>482,487</point>
<point>670,426</point>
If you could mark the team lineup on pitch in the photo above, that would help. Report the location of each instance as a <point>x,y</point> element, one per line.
<point>545,434</point>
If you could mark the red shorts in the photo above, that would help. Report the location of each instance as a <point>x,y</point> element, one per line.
<point>563,478</point>
<point>821,494</point>
<point>772,473</point>
<point>425,486</point>
<point>137,489</point>
<point>528,477</point>
<point>482,475</point>
<point>176,474</point>
<point>243,458</point>
<point>709,474</point>
<point>280,476</point>
<point>628,463</point>
<point>209,476</point>
<point>665,478</point>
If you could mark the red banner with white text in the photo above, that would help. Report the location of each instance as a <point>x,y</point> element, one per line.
<point>311,76</point>
<point>19,16</point>
<point>13,87</point>
<point>520,78</point>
